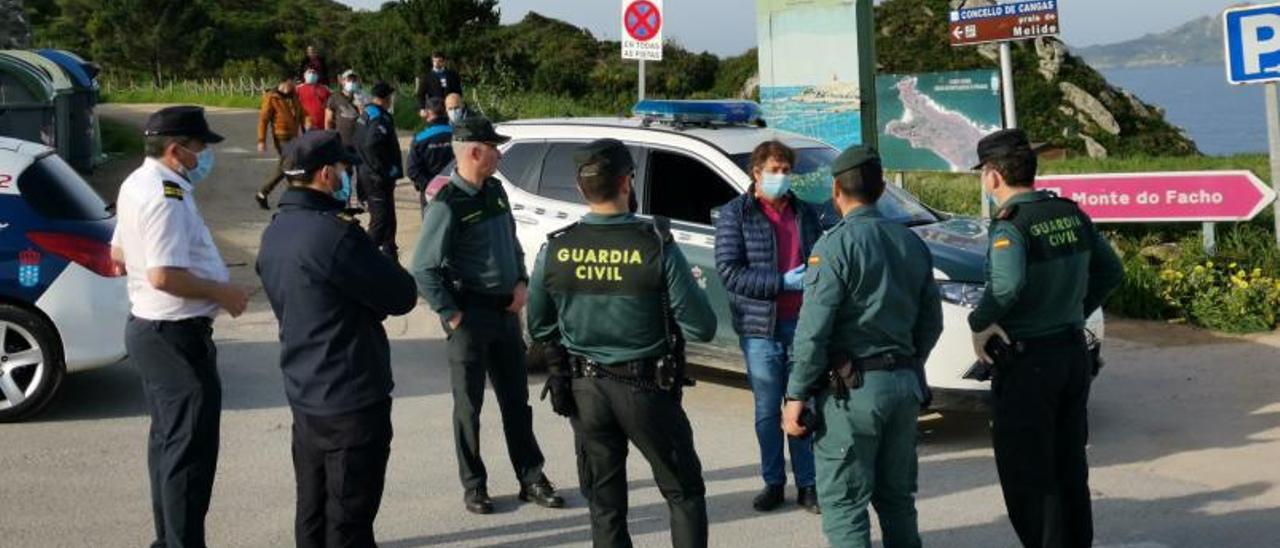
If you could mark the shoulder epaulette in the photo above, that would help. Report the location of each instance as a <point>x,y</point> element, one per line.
<point>1007,212</point>
<point>560,232</point>
<point>347,217</point>
<point>173,190</point>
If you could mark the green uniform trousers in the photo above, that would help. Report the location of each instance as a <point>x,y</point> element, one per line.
<point>865,451</point>
<point>609,415</point>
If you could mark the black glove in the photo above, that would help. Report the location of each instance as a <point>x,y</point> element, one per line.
<point>560,382</point>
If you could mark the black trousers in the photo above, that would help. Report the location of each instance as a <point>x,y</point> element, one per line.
<point>179,367</point>
<point>488,343</point>
<point>340,463</point>
<point>380,197</point>
<point>1039,431</point>
<point>609,415</point>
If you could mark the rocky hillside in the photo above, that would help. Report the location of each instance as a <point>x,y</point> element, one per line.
<point>1061,99</point>
<point>1198,42</point>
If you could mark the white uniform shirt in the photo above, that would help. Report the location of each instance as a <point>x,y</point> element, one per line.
<point>159,225</point>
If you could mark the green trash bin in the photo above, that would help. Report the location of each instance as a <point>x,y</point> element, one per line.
<point>27,97</point>
<point>63,100</point>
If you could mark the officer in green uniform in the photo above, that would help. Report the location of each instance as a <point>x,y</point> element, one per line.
<point>871,315</point>
<point>608,298</point>
<point>469,267</point>
<point>1048,269</point>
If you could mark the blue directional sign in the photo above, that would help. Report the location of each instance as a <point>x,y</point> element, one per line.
<point>1253,44</point>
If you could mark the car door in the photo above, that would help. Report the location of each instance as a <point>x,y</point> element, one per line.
<point>685,188</point>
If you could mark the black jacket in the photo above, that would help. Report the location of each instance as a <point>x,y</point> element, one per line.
<point>378,146</point>
<point>431,152</point>
<point>330,288</point>
<point>436,85</point>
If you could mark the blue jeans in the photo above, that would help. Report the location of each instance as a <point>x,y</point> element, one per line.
<point>768,366</point>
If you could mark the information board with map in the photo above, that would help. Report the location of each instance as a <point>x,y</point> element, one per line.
<point>933,121</point>
<point>814,69</point>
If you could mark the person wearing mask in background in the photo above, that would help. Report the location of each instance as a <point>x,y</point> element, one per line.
<point>379,148</point>
<point>762,239</point>
<point>177,283</point>
<point>313,96</point>
<point>314,61</point>
<point>432,149</point>
<point>280,115</point>
<point>330,289</point>
<point>437,83</point>
<point>456,108</point>
<point>342,112</point>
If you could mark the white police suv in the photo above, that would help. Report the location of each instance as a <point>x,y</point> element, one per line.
<point>691,158</point>
<point>63,304</point>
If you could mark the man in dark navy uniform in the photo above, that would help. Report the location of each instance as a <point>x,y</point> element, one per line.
<point>330,289</point>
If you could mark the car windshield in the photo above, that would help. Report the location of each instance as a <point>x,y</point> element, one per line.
<point>811,181</point>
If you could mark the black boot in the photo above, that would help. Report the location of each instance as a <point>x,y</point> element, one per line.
<point>478,501</point>
<point>262,200</point>
<point>542,493</point>
<point>770,498</point>
<point>807,498</point>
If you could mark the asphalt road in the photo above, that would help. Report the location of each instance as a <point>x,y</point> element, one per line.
<point>1186,434</point>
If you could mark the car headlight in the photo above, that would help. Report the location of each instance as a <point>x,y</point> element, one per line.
<point>960,293</point>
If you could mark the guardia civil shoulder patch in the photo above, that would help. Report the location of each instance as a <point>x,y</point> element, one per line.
<point>815,260</point>
<point>1001,243</point>
<point>173,190</point>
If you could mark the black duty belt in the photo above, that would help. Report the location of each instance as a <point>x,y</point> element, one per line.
<point>883,362</point>
<point>636,373</point>
<point>1069,337</point>
<point>484,300</point>
<point>197,321</point>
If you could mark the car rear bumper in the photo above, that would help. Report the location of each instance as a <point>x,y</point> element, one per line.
<point>89,313</point>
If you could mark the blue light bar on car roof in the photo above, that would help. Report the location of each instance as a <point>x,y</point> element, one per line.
<point>698,112</point>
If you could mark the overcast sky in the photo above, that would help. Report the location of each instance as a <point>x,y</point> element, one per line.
<point>727,27</point>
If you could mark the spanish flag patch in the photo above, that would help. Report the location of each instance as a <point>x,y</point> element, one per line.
<point>815,260</point>
<point>1001,243</point>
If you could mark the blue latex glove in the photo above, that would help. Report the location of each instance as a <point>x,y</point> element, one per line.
<point>793,280</point>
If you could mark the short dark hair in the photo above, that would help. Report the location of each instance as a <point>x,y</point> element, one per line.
<point>1018,169</point>
<point>864,183</point>
<point>772,150</point>
<point>154,145</point>
<point>286,78</point>
<point>435,106</point>
<point>437,54</point>
<point>600,188</point>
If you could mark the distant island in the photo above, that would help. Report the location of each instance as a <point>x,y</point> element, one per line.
<point>1198,42</point>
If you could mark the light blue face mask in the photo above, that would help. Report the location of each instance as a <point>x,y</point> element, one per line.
<point>774,185</point>
<point>204,165</point>
<point>343,193</point>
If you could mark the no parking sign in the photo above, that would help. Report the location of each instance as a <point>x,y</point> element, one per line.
<point>642,22</point>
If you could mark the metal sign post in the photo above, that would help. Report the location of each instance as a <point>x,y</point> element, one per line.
<point>641,94</point>
<point>1006,86</point>
<point>1273,135</point>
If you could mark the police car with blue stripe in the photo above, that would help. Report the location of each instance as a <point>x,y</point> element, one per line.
<point>691,158</point>
<point>63,304</point>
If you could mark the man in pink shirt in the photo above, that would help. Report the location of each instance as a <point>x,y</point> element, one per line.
<point>762,240</point>
<point>314,97</point>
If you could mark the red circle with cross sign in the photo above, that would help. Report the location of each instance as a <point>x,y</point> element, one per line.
<point>642,20</point>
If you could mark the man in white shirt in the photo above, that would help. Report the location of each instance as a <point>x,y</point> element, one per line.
<point>177,283</point>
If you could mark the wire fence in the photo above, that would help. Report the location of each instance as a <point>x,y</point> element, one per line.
<point>226,87</point>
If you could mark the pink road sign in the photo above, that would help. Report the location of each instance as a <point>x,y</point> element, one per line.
<point>1191,196</point>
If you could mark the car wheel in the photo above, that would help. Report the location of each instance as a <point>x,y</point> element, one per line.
<point>31,363</point>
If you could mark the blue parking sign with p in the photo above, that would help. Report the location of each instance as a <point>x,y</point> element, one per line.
<point>1252,44</point>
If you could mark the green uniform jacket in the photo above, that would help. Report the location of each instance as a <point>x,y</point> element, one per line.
<point>478,249</point>
<point>1030,297</point>
<point>868,290</point>
<point>618,328</point>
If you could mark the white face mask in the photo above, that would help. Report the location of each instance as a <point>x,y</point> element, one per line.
<point>455,114</point>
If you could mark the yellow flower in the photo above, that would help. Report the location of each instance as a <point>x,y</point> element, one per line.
<point>1231,266</point>
<point>1208,264</point>
<point>1200,269</point>
<point>1257,273</point>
